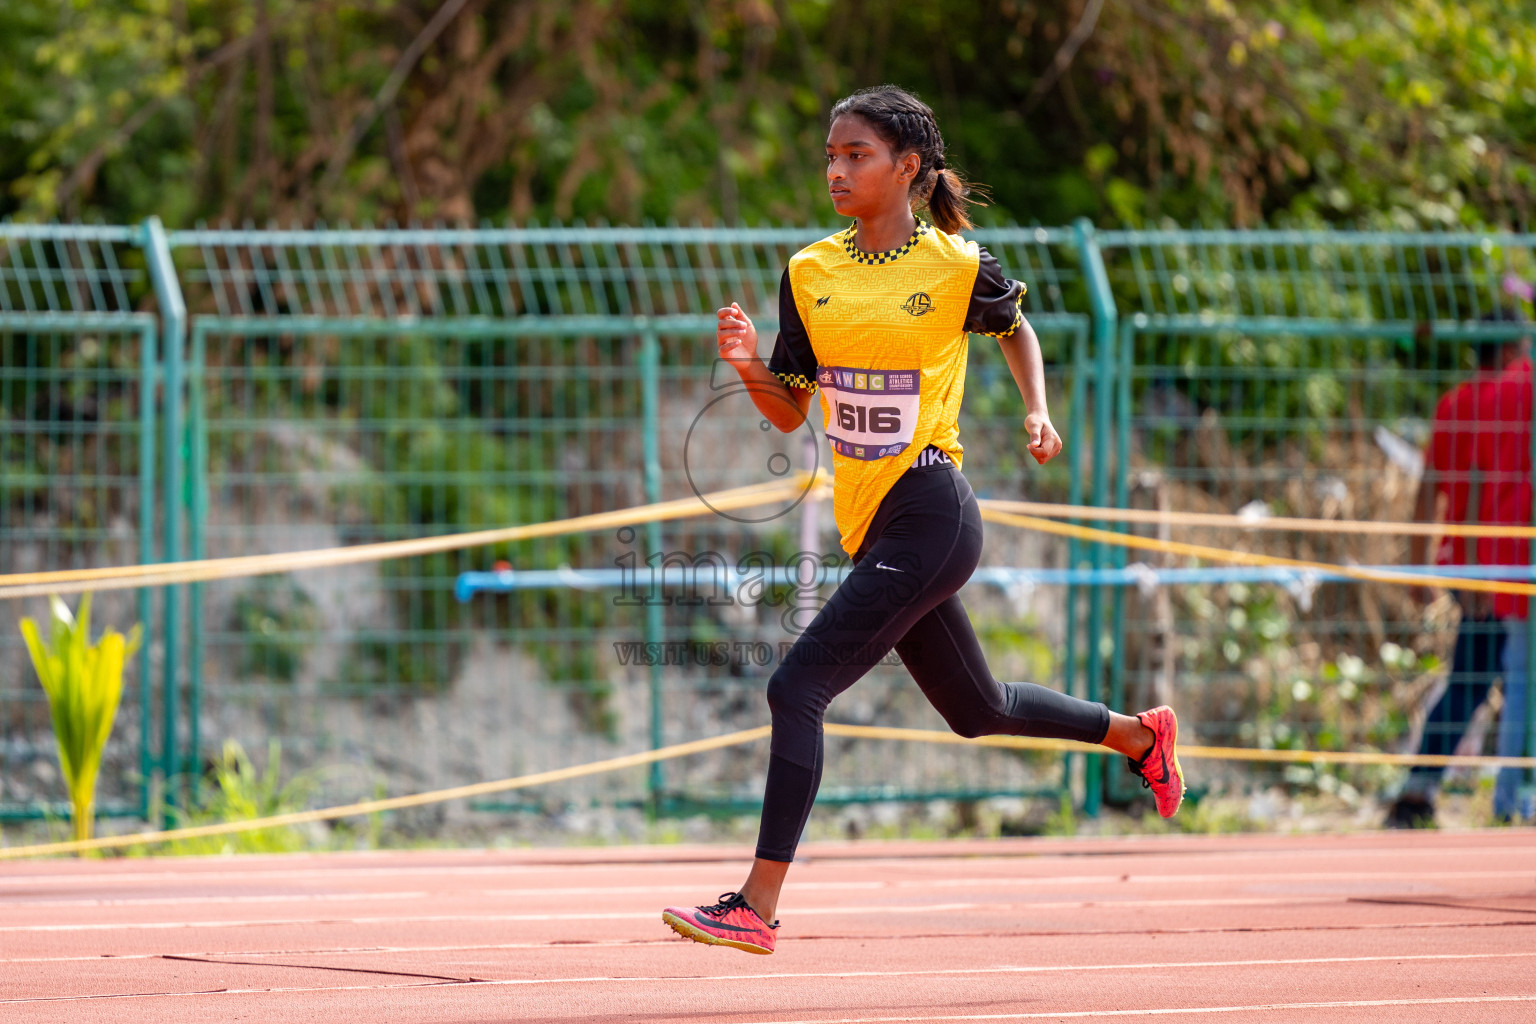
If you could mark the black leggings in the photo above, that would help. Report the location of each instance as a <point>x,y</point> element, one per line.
<point>921,548</point>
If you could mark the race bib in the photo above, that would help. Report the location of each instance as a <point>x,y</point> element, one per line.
<point>873,412</point>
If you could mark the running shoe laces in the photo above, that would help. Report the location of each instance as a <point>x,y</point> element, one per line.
<point>730,901</point>
<point>1136,769</point>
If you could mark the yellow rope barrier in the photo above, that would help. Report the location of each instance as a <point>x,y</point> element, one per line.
<point>1191,752</point>
<point>69,581</point>
<point>1273,523</point>
<point>612,764</point>
<point>992,514</point>
<point>72,581</point>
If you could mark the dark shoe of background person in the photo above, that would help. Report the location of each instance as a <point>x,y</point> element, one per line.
<point>1411,812</point>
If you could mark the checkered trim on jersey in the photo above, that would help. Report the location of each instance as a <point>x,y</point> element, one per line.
<point>1018,316</point>
<point>798,380</point>
<point>875,259</point>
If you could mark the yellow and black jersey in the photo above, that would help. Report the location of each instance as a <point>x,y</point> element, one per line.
<point>883,337</point>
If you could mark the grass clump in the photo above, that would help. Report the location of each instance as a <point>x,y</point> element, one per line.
<point>236,790</point>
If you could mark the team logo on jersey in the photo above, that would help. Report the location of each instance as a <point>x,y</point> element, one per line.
<point>917,304</point>
<point>823,301</point>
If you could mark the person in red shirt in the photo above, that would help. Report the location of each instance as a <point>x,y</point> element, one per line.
<point>1503,461</point>
<point>1505,456</point>
<point>1477,462</point>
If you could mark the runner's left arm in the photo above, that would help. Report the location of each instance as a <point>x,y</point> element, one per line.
<point>996,311</point>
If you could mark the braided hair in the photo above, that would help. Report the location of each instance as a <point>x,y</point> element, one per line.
<point>907,124</point>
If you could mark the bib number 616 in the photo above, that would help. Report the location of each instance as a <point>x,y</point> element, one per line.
<point>878,419</point>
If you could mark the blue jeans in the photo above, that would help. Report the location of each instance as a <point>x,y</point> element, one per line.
<point>1506,790</point>
<point>1475,664</point>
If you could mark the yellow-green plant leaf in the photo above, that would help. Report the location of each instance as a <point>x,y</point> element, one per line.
<point>41,660</point>
<point>84,684</point>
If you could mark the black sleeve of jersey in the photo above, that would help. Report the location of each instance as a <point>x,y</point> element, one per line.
<point>793,360</point>
<point>995,301</point>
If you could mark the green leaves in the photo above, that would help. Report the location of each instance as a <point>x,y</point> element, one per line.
<point>1398,113</point>
<point>84,684</point>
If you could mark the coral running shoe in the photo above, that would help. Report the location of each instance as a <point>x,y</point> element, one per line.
<point>1159,767</point>
<point>728,923</point>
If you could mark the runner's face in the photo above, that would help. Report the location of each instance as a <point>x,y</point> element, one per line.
<point>864,178</point>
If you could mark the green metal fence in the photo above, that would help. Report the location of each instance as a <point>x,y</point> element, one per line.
<point>362,385</point>
<point>334,387</point>
<point>77,478</point>
<point>1290,373</point>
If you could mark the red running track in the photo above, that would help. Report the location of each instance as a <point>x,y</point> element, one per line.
<point>1399,927</point>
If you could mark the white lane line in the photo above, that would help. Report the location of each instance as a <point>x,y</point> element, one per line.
<point>564,944</point>
<point>1030,969</point>
<point>925,908</point>
<point>921,908</point>
<point>1378,881</point>
<point>172,901</point>
<point>448,919</point>
<point>1302,899</point>
<point>637,890</point>
<point>670,940</point>
<point>982,881</point>
<point>1044,858</point>
<point>1135,878</point>
<point>281,873</point>
<point>1172,1011</point>
<point>673,891</point>
<point>824,975</point>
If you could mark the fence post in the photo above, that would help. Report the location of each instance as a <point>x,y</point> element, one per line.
<point>1113,787</point>
<point>173,328</point>
<point>197,479</point>
<point>650,359</point>
<point>148,375</point>
<point>1105,317</point>
<point>1075,431</point>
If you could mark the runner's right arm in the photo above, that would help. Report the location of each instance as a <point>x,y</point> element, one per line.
<point>783,406</point>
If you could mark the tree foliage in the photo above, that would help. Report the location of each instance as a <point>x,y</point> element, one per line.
<point>1393,112</point>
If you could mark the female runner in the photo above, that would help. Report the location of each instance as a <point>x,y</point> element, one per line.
<point>876,318</point>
